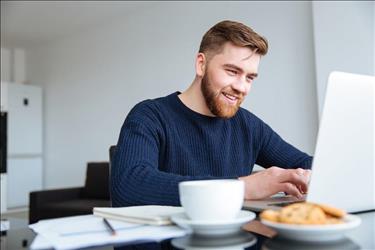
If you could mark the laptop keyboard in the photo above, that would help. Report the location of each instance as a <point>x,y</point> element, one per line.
<point>283,204</point>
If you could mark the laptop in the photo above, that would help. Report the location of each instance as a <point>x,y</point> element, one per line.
<point>343,170</point>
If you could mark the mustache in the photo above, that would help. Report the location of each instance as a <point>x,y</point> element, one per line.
<point>233,92</point>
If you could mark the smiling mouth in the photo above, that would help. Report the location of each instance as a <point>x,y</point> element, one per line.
<point>231,98</point>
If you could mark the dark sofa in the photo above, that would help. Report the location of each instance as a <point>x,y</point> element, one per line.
<point>73,201</point>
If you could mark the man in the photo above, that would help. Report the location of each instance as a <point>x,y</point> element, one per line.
<point>202,133</point>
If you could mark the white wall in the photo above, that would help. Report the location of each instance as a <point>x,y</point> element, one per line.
<point>5,64</point>
<point>92,80</point>
<point>13,65</point>
<point>344,35</point>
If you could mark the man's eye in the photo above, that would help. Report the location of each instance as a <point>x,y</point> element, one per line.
<point>231,72</point>
<point>249,78</point>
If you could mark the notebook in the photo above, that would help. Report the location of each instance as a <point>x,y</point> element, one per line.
<point>343,171</point>
<point>150,214</point>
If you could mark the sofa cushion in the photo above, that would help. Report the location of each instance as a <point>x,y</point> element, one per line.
<point>74,207</point>
<point>97,181</point>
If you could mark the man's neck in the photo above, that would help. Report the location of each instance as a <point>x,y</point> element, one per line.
<point>194,100</point>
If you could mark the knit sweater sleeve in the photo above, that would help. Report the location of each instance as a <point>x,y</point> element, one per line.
<point>274,151</point>
<point>135,175</point>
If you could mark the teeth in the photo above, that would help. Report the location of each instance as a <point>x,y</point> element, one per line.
<point>230,96</point>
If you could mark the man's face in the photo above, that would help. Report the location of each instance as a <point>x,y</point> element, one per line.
<point>227,79</point>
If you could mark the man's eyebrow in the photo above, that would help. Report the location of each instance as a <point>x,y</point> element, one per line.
<point>228,65</point>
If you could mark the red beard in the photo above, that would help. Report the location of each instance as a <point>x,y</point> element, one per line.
<point>218,107</point>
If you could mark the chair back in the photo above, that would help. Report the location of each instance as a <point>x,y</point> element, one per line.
<point>112,151</point>
<point>97,181</point>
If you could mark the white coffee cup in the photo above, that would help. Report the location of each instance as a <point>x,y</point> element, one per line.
<point>212,200</point>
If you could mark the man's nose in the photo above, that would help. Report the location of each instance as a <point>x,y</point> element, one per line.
<point>241,86</point>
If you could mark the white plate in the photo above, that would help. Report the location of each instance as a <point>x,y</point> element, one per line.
<point>315,233</point>
<point>214,228</point>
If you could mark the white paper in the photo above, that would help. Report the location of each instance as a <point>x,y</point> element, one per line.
<point>149,214</point>
<point>4,225</point>
<point>89,230</point>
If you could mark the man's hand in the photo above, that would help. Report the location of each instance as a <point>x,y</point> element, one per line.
<point>273,180</point>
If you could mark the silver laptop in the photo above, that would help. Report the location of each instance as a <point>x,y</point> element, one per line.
<point>343,171</point>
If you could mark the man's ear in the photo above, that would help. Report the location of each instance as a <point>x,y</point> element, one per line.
<point>200,64</point>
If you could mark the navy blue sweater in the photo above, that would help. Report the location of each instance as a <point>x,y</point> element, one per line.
<point>163,142</point>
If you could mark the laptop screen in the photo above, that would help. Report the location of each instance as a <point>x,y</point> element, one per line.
<point>343,171</point>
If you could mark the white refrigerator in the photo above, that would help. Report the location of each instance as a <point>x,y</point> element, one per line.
<point>24,142</point>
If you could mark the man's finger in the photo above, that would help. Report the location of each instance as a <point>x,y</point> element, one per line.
<point>291,189</point>
<point>295,177</point>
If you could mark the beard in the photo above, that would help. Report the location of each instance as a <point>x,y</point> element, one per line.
<point>218,107</point>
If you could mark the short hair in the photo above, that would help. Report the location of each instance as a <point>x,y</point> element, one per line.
<point>230,31</point>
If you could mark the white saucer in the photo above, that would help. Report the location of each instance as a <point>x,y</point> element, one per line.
<point>238,240</point>
<point>216,227</point>
<point>315,233</point>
